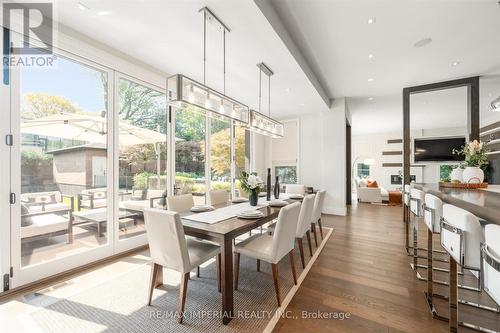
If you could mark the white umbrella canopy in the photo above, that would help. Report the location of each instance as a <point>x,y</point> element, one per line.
<point>89,128</point>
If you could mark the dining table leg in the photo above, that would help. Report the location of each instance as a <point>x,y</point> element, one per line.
<point>227,280</point>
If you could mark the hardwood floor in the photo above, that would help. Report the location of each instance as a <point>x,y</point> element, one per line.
<point>364,270</point>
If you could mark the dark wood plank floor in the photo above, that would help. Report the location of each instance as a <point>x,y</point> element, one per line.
<point>364,270</point>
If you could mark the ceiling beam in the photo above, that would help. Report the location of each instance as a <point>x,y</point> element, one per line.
<point>274,20</point>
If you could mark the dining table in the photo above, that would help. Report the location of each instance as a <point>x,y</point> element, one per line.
<point>224,233</point>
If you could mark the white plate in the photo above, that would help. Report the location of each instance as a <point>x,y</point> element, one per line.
<point>296,196</point>
<point>262,194</point>
<point>239,199</point>
<point>278,203</point>
<point>201,208</point>
<point>251,217</point>
<point>250,214</point>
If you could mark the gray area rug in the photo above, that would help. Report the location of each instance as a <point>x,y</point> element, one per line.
<point>119,305</point>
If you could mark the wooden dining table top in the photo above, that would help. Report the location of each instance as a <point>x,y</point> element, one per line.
<point>224,233</point>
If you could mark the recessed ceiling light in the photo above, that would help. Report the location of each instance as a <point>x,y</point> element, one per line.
<point>455,63</point>
<point>287,90</point>
<point>302,104</point>
<point>371,79</point>
<point>423,42</point>
<point>372,20</point>
<point>370,98</point>
<point>82,6</point>
<point>490,94</point>
<point>370,56</point>
<point>104,13</point>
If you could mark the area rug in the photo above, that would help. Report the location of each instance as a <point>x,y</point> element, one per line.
<point>119,305</point>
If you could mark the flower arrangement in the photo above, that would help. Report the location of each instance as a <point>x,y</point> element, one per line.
<point>474,153</point>
<point>250,182</point>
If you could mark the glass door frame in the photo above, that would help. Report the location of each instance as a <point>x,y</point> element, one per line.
<point>24,275</point>
<point>139,240</point>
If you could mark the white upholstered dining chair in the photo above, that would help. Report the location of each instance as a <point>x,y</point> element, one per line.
<point>180,203</point>
<point>316,215</point>
<point>218,197</point>
<point>303,226</point>
<point>171,249</point>
<point>272,248</point>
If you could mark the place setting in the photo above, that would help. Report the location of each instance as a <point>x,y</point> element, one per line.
<point>201,208</point>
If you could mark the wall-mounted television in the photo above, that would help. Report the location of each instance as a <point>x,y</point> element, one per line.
<point>437,149</point>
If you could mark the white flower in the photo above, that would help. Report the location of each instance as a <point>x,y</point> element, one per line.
<point>253,181</point>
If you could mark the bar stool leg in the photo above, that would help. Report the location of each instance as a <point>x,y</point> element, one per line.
<point>453,299</point>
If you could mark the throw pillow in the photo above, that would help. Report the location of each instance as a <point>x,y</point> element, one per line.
<point>372,183</point>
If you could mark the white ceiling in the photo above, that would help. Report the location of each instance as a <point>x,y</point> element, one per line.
<point>336,39</point>
<point>168,36</point>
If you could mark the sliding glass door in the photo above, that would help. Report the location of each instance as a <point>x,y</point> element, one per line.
<point>190,157</point>
<point>59,162</point>
<point>141,136</point>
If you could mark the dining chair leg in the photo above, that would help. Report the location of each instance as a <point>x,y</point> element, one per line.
<point>258,265</point>
<point>182,296</point>
<point>313,229</point>
<point>292,264</point>
<point>301,250</point>
<point>276,282</point>
<point>308,234</point>
<point>320,229</point>
<point>218,262</point>
<point>155,269</point>
<point>236,270</point>
<point>198,271</point>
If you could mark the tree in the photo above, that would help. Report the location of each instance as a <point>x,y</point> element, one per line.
<point>38,105</point>
<point>142,106</point>
<point>220,152</point>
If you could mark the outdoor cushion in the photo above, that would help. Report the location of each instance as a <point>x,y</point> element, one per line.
<point>48,207</point>
<point>48,196</point>
<point>25,221</point>
<point>97,203</point>
<point>44,224</point>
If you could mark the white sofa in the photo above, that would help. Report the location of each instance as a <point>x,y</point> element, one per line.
<point>151,201</point>
<point>48,201</point>
<point>370,194</point>
<point>46,223</point>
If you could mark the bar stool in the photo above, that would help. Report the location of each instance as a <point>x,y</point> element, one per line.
<point>416,212</point>
<point>406,202</point>
<point>490,263</point>
<point>461,237</point>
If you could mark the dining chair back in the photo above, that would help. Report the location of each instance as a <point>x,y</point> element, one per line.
<point>295,189</point>
<point>417,201</point>
<point>306,212</point>
<point>218,197</point>
<point>180,203</point>
<point>167,242</point>
<point>318,205</point>
<point>284,234</point>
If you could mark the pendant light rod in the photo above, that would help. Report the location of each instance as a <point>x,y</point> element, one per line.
<point>263,68</point>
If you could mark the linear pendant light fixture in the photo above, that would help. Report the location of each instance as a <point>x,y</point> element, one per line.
<point>184,91</point>
<point>260,123</point>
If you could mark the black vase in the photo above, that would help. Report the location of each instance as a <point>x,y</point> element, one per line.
<point>277,188</point>
<point>268,196</point>
<point>254,198</point>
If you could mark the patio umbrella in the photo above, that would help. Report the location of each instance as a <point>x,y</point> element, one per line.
<point>84,127</point>
<point>90,128</point>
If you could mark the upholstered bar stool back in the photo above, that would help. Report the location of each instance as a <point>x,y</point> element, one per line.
<point>433,212</point>
<point>491,262</point>
<point>416,201</point>
<point>461,236</point>
<point>407,195</point>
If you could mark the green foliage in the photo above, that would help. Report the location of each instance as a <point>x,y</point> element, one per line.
<point>445,172</point>
<point>141,180</point>
<point>38,105</point>
<point>221,186</point>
